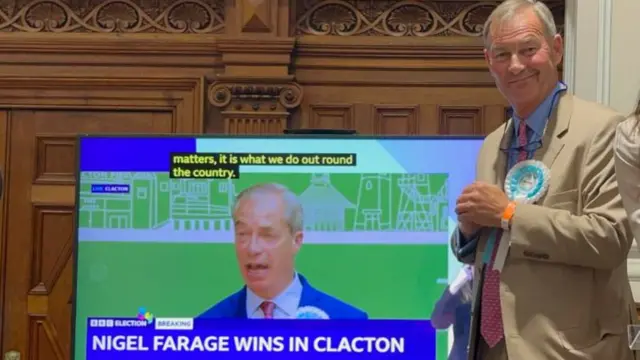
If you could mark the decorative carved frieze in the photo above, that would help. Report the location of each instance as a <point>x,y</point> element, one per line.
<point>262,105</point>
<point>109,16</point>
<point>399,18</point>
<point>312,17</point>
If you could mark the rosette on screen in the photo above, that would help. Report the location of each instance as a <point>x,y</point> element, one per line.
<point>311,312</point>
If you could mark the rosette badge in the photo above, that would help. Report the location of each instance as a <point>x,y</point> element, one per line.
<point>527,181</point>
<point>311,313</point>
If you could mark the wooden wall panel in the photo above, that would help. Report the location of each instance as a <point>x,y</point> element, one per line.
<point>460,120</point>
<point>55,159</point>
<point>237,67</point>
<point>332,116</point>
<point>395,119</point>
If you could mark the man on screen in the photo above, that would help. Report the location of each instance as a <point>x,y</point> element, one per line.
<point>268,235</point>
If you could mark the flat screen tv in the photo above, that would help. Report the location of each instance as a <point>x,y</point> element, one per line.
<point>287,247</point>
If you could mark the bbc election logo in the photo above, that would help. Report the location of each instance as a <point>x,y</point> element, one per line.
<point>144,315</point>
<point>101,323</point>
<point>145,318</point>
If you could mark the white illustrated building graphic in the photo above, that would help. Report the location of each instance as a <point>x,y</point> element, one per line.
<point>374,203</point>
<point>398,208</point>
<point>419,205</point>
<point>201,204</point>
<point>324,207</point>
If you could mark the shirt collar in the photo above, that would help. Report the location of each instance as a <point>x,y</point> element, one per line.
<point>538,119</point>
<point>287,301</point>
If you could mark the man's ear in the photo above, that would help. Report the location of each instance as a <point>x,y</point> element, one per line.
<point>297,241</point>
<point>558,49</point>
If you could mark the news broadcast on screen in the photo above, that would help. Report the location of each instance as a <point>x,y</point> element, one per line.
<point>223,248</point>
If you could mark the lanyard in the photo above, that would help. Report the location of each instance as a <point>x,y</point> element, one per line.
<point>488,250</point>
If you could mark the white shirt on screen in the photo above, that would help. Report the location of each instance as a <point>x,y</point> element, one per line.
<point>286,303</point>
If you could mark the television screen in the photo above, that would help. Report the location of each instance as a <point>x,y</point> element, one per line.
<point>278,247</point>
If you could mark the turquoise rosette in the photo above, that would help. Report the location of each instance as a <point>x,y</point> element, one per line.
<point>311,313</point>
<point>527,181</point>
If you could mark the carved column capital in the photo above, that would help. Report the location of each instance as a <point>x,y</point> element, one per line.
<point>260,96</point>
<point>256,106</point>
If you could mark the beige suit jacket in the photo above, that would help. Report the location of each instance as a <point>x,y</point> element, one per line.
<point>564,288</point>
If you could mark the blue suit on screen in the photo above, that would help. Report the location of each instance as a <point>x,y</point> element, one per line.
<point>235,305</point>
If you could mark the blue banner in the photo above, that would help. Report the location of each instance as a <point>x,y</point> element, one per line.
<point>131,153</point>
<point>223,339</point>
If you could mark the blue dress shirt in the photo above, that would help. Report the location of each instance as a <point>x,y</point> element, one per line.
<point>286,303</point>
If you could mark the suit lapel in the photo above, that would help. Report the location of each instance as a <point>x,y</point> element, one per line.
<point>501,162</point>
<point>309,294</point>
<point>558,125</point>
<point>241,310</point>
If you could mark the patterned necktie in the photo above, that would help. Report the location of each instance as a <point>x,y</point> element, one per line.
<point>267,308</point>
<point>491,326</point>
<point>522,141</point>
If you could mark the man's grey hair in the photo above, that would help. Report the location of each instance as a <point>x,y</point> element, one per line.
<point>509,8</point>
<point>292,207</point>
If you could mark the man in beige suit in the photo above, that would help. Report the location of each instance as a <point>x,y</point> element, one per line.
<point>552,270</point>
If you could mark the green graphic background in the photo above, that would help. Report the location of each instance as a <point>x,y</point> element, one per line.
<point>174,279</point>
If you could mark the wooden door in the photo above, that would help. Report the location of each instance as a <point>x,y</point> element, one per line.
<point>38,204</point>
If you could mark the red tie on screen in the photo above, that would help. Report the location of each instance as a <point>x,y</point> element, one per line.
<point>267,308</point>
<point>491,326</point>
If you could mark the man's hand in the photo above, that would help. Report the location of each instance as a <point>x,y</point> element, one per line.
<point>467,228</point>
<point>481,204</point>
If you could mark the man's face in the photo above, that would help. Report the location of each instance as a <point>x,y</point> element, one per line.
<point>265,245</point>
<point>523,61</point>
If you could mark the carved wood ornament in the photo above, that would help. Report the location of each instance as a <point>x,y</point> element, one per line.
<point>398,18</point>
<point>124,16</point>
<point>312,17</point>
